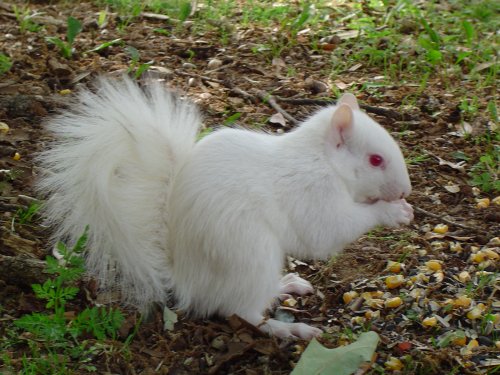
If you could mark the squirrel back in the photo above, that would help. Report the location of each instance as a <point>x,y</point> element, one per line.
<point>115,153</point>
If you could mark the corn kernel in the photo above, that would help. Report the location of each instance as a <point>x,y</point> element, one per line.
<point>472,344</point>
<point>477,257</point>
<point>394,267</point>
<point>366,296</point>
<point>393,302</point>
<point>394,281</point>
<point>370,314</point>
<point>475,313</point>
<point>65,92</point>
<point>4,128</point>
<point>483,202</point>
<point>440,228</point>
<point>464,276</point>
<point>476,191</point>
<point>17,156</point>
<point>439,276</point>
<point>377,294</point>
<point>497,344</point>
<point>434,265</point>
<point>349,296</point>
<point>459,341</point>
<point>290,302</point>
<point>393,364</point>
<point>495,241</point>
<point>358,320</point>
<point>429,322</point>
<point>456,247</point>
<point>491,254</point>
<point>462,301</point>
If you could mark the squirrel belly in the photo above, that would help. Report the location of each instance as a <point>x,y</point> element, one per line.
<point>211,221</point>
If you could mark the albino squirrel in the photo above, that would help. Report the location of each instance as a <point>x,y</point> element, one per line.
<point>211,221</point>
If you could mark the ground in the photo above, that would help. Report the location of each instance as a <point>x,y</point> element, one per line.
<point>426,72</point>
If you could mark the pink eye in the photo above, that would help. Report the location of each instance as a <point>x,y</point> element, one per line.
<point>376,160</point>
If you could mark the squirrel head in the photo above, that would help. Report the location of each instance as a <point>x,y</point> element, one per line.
<point>365,155</point>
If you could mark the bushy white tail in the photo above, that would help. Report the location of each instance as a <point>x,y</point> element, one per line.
<point>110,167</point>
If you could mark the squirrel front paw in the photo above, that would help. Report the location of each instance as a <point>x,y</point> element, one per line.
<point>396,213</point>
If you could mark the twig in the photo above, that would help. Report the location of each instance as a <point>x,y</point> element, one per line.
<point>194,75</point>
<point>267,98</point>
<point>387,112</point>
<point>430,214</point>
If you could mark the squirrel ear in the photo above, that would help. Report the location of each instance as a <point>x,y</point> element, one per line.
<point>350,100</point>
<point>341,125</point>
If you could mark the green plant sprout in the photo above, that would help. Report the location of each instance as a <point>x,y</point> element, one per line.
<point>66,47</point>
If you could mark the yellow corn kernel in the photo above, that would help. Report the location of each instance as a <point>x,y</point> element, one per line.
<point>491,254</point>
<point>475,313</point>
<point>472,344</point>
<point>377,294</point>
<point>394,267</point>
<point>290,302</point>
<point>496,201</point>
<point>440,228</point>
<point>439,276</point>
<point>483,202</point>
<point>4,128</point>
<point>65,92</point>
<point>497,344</point>
<point>358,320</point>
<point>434,265</point>
<point>459,341</point>
<point>456,247</point>
<point>393,364</point>
<point>17,156</point>
<point>464,276</point>
<point>366,296</point>
<point>393,302</point>
<point>394,281</point>
<point>429,322</point>
<point>462,301</point>
<point>370,314</point>
<point>477,257</point>
<point>349,296</point>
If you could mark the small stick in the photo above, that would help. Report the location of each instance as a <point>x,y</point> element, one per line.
<point>271,100</point>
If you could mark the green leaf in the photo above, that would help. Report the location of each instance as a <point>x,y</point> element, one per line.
<point>74,27</point>
<point>232,119</point>
<point>434,56</point>
<point>104,45</point>
<point>343,360</point>
<point>469,31</point>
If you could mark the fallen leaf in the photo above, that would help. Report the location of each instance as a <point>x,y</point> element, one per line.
<point>343,360</point>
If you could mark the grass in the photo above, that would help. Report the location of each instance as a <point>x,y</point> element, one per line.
<point>56,342</point>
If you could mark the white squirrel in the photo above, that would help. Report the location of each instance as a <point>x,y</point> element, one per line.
<point>212,221</point>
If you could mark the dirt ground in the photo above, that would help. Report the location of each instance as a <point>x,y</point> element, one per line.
<point>40,81</point>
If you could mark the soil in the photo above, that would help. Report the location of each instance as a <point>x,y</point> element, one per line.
<point>41,81</point>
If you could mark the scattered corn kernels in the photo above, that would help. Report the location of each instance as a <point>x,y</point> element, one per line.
<point>429,322</point>
<point>349,296</point>
<point>394,267</point>
<point>393,364</point>
<point>440,228</point>
<point>464,276</point>
<point>483,202</point>
<point>17,156</point>
<point>393,302</point>
<point>462,301</point>
<point>434,265</point>
<point>394,281</point>
<point>4,128</point>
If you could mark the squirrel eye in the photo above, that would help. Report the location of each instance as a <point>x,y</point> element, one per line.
<point>376,160</point>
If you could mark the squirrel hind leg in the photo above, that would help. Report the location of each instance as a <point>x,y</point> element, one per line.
<point>292,283</point>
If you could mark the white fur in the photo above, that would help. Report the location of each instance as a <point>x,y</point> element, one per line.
<point>212,221</point>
